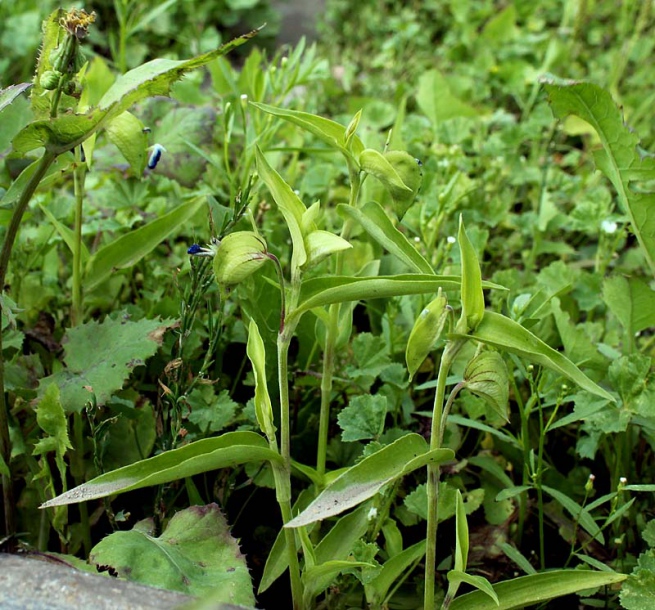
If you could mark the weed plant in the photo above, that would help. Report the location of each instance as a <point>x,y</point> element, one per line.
<point>260,302</point>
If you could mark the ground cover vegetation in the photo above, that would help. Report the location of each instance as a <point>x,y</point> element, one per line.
<point>366,323</point>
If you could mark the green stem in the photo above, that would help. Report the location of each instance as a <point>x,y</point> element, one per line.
<point>78,456</point>
<point>283,486</point>
<point>79,176</point>
<point>331,336</point>
<point>10,237</point>
<point>434,472</point>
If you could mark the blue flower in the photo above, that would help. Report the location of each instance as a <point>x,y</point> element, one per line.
<point>155,156</point>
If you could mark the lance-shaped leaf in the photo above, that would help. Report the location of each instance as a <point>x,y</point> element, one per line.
<point>527,590</point>
<point>472,296</point>
<point>505,334</point>
<point>320,244</point>
<point>366,478</point>
<point>150,79</point>
<point>129,249</point>
<point>263,407</point>
<point>290,205</point>
<point>374,220</point>
<point>487,377</point>
<point>202,456</point>
<point>620,159</point>
<point>326,290</point>
<point>330,132</point>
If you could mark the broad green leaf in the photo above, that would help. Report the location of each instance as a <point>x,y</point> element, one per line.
<point>100,356</point>
<point>505,334</point>
<point>205,455</point>
<point>196,554</point>
<point>378,225</point>
<point>366,478</point>
<point>437,102</point>
<point>620,159</point>
<point>631,300</point>
<point>456,577</point>
<point>363,418</point>
<point>337,545</point>
<point>263,407</point>
<point>638,591</point>
<point>126,132</point>
<point>426,333</point>
<point>472,295</point>
<point>487,377</point>
<point>290,205</point>
<point>66,234</point>
<point>333,134</point>
<point>378,588</point>
<point>209,411</point>
<point>150,79</point>
<point>375,163</point>
<point>52,34</point>
<point>532,589</point>
<point>129,249</point>
<point>321,291</point>
<point>8,95</point>
<point>580,514</point>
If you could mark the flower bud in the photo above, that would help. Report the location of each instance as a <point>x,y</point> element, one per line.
<point>426,332</point>
<point>50,79</point>
<point>239,256</point>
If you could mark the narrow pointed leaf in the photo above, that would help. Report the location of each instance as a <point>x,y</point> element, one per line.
<point>202,456</point>
<point>8,95</point>
<point>263,406</point>
<point>321,291</point>
<point>503,333</point>
<point>378,225</point>
<point>461,527</point>
<point>330,132</point>
<point>472,296</point>
<point>130,248</point>
<point>526,590</point>
<point>366,478</point>
<point>290,205</point>
<point>456,577</point>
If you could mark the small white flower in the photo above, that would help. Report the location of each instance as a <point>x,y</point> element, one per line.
<point>451,240</point>
<point>417,240</point>
<point>623,480</point>
<point>608,226</point>
<point>372,513</point>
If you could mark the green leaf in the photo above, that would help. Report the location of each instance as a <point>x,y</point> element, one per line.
<point>51,35</point>
<point>320,244</point>
<point>409,171</point>
<point>620,159</point>
<point>66,234</point>
<point>472,295</point>
<point>337,545</point>
<point>631,300</point>
<point>579,513</point>
<point>129,249</point>
<point>263,407</point>
<point>505,334</point>
<point>195,555</point>
<point>326,290</point>
<point>150,79</point>
<point>8,95</point>
<point>436,100</point>
<point>333,134</point>
<point>51,418</point>
<point>426,333</point>
<point>211,412</point>
<point>239,255</point>
<point>638,591</point>
<point>376,164</point>
<point>208,454</point>
<point>99,358</point>
<point>363,418</point>
<point>456,577</point>
<point>535,588</point>
<point>486,376</point>
<point>125,131</point>
<point>366,478</point>
<point>378,225</point>
<point>462,531</point>
<point>371,355</point>
<point>290,205</point>
<point>378,588</point>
